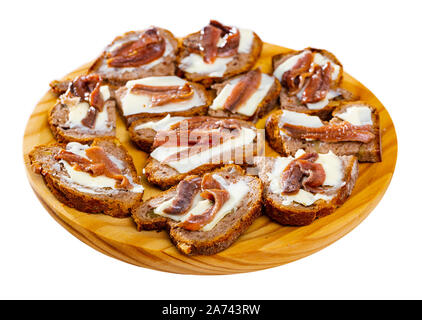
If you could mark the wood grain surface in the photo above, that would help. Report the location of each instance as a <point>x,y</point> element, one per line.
<point>265,244</point>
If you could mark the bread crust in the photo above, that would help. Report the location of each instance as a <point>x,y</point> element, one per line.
<point>241,63</point>
<point>299,215</point>
<point>269,102</point>
<point>222,235</point>
<point>42,162</point>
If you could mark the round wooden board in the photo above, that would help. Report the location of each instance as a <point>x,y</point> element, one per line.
<point>265,244</point>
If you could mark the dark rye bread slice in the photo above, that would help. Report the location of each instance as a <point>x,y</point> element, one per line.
<point>58,117</point>
<point>167,65</point>
<point>164,176</point>
<point>266,105</point>
<point>241,62</point>
<point>116,203</point>
<point>285,145</point>
<point>143,137</point>
<point>296,214</point>
<point>194,111</point>
<point>222,235</point>
<point>293,103</point>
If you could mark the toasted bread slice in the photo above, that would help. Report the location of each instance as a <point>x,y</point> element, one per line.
<point>259,103</point>
<point>195,69</point>
<point>197,158</point>
<point>82,191</point>
<point>162,66</point>
<point>142,131</point>
<point>139,106</point>
<point>207,240</point>
<point>335,96</point>
<point>287,145</point>
<point>304,208</point>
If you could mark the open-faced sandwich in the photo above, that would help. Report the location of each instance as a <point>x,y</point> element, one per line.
<point>138,54</point>
<point>353,130</point>
<point>310,81</point>
<point>83,112</point>
<point>300,189</point>
<point>248,96</point>
<point>160,96</point>
<point>204,215</point>
<point>197,145</point>
<point>218,52</point>
<point>96,178</point>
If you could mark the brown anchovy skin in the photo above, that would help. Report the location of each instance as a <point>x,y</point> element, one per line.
<point>196,222</point>
<point>303,172</point>
<point>243,90</point>
<point>186,191</point>
<point>318,84</point>
<point>331,132</point>
<point>149,47</point>
<point>90,118</point>
<point>161,95</point>
<point>210,35</point>
<point>294,79</point>
<point>98,163</point>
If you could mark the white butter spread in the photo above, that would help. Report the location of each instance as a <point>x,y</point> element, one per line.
<point>237,191</point>
<point>194,63</point>
<point>163,124</point>
<point>142,103</point>
<point>357,115</point>
<point>87,183</point>
<point>207,156</point>
<point>250,106</point>
<point>79,111</point>
<point>299,119</point>
<point>334,177</point>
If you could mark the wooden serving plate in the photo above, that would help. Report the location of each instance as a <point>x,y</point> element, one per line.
<point>266,244</point>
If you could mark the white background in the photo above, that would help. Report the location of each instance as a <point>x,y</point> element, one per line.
<point>378,43</point>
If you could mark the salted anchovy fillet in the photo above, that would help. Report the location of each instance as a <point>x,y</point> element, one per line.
<point>161,95</point>
<point>344,131</point>
<point>303,172</point>
<point>185,193</point>
<point>149,47</point>
<point>98,163</point>
<point>210,37</point>
<point>243,90</point>
<point>213,192</point>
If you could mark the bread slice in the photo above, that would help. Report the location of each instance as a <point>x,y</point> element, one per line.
<point>269,85</point>
<point>286,145</point>
<point>88,197</point>
<point>240,62</point>
<point>143,131</point>
<point>337,94</point>
<point>223,234</point>
<point>63,131</point>
<point>163,66</point>
<point>194,106</point>
<point>286,211</point>
<point>165,175</point>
